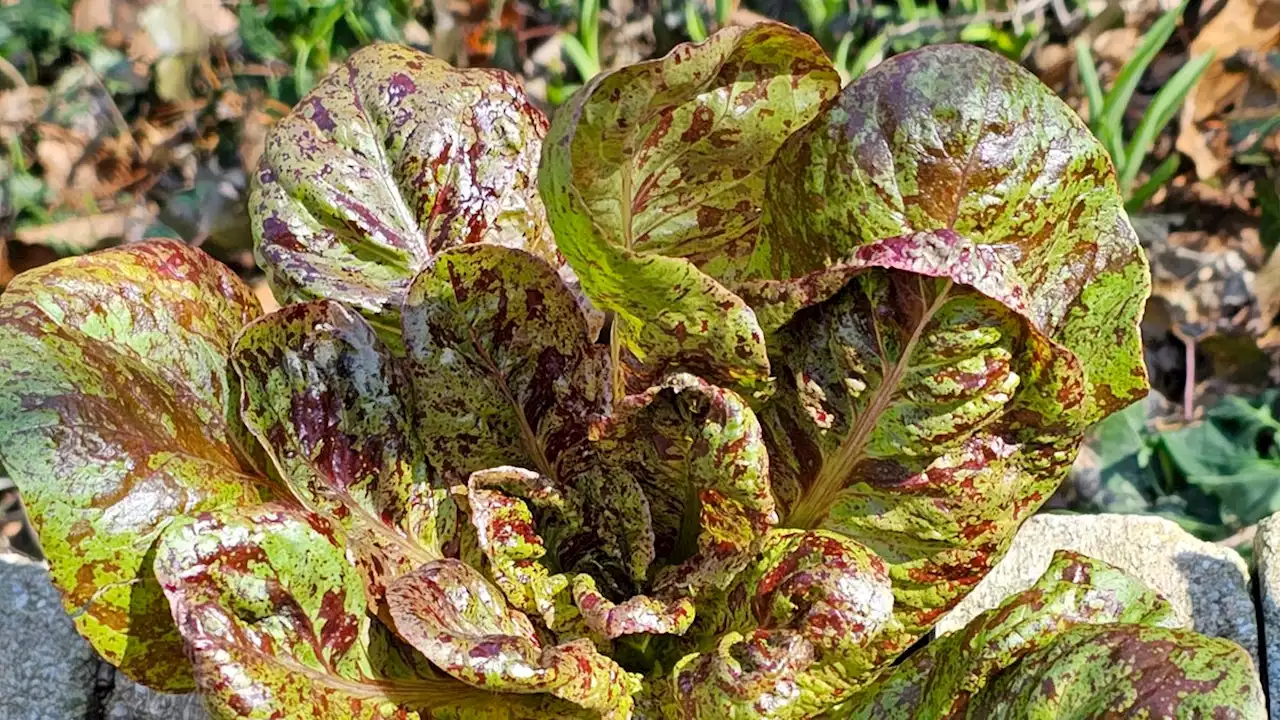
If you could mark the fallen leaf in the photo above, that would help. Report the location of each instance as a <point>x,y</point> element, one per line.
<point>253,138</point>
<point>1240,25</point>
<point>19,108</point>
<point>89,231</point>
<point>6,271</point>
<point>262,291</point>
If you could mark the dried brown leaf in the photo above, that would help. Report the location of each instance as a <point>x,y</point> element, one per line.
<point>1250,25</point>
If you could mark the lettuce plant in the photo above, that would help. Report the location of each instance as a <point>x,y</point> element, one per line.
<point>853,339</point>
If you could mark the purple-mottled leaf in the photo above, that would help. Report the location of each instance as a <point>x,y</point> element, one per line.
<point>502,367</point>
<point>329,404</point>
<point>698,456</point>
<point>800,630</point>
<point>392,158</point>
<point>274,619</point>
<point>499,500</point>
<point>655,170</point>
<point>461,622</point>
<point>954,137</point>
<point>921,412</point>
<point>117,414</point>
<point>1085,641</point>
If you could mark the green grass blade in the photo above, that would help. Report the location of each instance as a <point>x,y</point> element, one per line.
<point>869,52</point>
<point>1162,175</point>
<point>693,24</point>
<point>589,31</point>
<point>581,59</point>
<point>1088,69</point>
<point>724,9</point>
<point>1121,92</point>
<point>1162,109</point>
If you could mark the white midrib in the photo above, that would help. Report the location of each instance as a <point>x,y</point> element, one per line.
<point>831,479</point>
<point>619,380</point>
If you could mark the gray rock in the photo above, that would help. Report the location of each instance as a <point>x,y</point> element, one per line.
<point>46,669</point>
<point>1207,584</point>
<point>130,701</point>
<point>1266,551</point>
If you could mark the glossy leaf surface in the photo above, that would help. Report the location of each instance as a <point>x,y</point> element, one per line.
<point>392,158</point>
<point>1086,638</point>
<point>461,622</point>
<point>502,368</point>
<point>275,623</point>
<point>801,629</point>
<point>954,137</point>
<point>325,398</point>
<point>656,170</point>
<point>920,412</point>
<point>117,414</point>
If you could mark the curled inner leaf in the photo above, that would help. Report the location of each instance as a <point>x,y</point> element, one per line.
<point>462,623</point>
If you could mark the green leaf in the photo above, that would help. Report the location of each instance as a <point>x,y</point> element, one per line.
<point>808,623</point>
<point>502,367</point>
<point>117,415</point>
<point>451,613</point>
<point>653,175</point>
<point>1233,456</point>
<point>954,137</point>
<point>1085,641</point>
<point>920,412</point>
<point>392,158</point>
<point>1126,671</point>
<point>323,396</point>
<point>275,624</point>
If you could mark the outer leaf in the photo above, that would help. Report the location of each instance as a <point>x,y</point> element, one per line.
<point>116,416</point>
<point>921,413</point>
<point>656,168</point>
<point>1084,629</point>
<point>803,627</point>
<point>1127,671</point>
<point>325,399</point>
<point>275,623</point>
<point>461,622</point>
<point>956,137</point>
<point>389,160</point>
<point>502,367</point>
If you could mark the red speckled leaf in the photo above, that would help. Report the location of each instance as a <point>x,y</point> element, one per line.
<point>117,414</point>
<point>954,137</point>
<point>392,158</point>
<point>324,397</point>
<point>1085,641</point>
<point>698,456</point>
<point>800,630</point>
<point>653,175</point>
<point>499,500</point>
<point>921,413</point>
<point>275,624</point>
<point>461,622</point>
<point>502,367</point>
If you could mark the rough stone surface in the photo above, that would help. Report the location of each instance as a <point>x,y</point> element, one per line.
<point>46,669</point>
<point>1207,584</point>
<point>49,672</point>
<point>130,701</point>
<point>1266,551</point>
